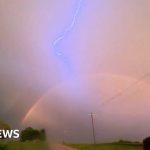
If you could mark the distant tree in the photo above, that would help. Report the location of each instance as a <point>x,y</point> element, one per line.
<point>30,134</point>
<point>42,134</point>
<point>124,141</point>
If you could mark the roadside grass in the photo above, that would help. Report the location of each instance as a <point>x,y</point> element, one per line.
<point>112,146</point>
<point>37,145</point>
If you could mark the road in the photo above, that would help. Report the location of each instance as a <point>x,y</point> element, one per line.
<point>60,147</point>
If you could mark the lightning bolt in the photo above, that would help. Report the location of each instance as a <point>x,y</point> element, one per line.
<point>59,53</point>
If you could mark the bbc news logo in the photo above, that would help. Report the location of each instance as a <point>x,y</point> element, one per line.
<point>9,134</point>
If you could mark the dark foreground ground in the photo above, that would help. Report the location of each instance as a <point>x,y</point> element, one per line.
<point>114,146</point>
<point>37,145</point>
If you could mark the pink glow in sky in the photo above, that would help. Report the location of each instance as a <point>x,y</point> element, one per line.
<point>111,37</point>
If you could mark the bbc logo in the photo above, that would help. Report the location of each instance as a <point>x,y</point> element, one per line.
<point>9,134</point>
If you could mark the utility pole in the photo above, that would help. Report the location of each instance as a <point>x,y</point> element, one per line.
<point>93,126</point>
<point>64,136</point>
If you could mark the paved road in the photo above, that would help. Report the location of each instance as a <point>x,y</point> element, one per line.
<point>60,147</point>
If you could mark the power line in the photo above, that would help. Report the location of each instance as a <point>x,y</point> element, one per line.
<point>114,97</point>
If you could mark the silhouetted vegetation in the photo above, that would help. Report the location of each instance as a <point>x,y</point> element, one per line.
<point>3,146</point>
<point>127,142</point>
<point>30,134</point>
<point>146,143</point>
<point>35,139</point>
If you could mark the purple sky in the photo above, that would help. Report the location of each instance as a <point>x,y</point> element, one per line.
<point>111,37</point>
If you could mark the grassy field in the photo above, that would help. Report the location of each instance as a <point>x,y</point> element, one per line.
<point>107,146</point>
<point>24,146</point>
